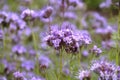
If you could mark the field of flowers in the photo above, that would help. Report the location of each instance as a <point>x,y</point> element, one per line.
<point>59,40</point>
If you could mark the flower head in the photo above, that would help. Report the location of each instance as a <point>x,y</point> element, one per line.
<point>95,50</point>
<point>28,14</point>
<point>84,75</point>
<point>104,69</point>
<point>67,37</point>
<point>18,76</point>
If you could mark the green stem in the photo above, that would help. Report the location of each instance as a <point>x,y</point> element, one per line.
<point>33,36</point>
<point>79,57</point>
<point>34,40</point>
<point>35,47</point>
<point>118,51</point>
<point>61,65</point>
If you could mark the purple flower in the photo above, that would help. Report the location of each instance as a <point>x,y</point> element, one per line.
<point>21,24</point>
<point>12,27</point>
<point>28,14</point>
<point>105,33</point>
<point>15,39</point>
<point>32,52</point>
<point>44,62</point>
<point>67,37</point>
<point>118,72</point>
<point>12,17</point>
<point>84,75</point>
<point>18,76</point>
<point>66,70</point>
<point>28,65</point>
<point>9,67</point>
<point>46,13</point>
<point>108,44</point>
<point>106,4</point>
<point>95,50</point>
<point>56,43</point>
<point>96,21</point>
<point>99,18</point>
<point>27,32</point>
<point>85,37</point>
<point>3,78</point>
<point>34,78</point>
<point>106,70</point>
<point>85,53</point>
<point>19,49</point>
<point>3,17</point>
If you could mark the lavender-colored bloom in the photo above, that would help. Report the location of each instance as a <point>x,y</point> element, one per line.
<point>84,75</point>
<point>77,3</point>
<point>28,14</point>
<point>68,40</point>
<point>43,46</point>
<point>106,70</point>
<point>105,33</point>
<point>5,7</point>
<point>73,3</point>
<point>3,78</point>
<point>12,17</point>
<point>12,27</point>
<point>106,4</point>
<point>95,50</point>
<point>56,43</point>
<point>18,76</point>
<point>100,19</point>
<point>46,13</point>
<point>108,44</point>
<point>67,37</point>
<point>32,52</point>
<point>46,20</point>
<point>68,25</point>
<point>118,72</point>
<point>66,70</point>
<point>27,32</point>
<point>84,22</point>
<point>9,67</point>
<point>44,62</point>
<point>21,24</point>
<point>17,25</point>
<point>19,49</point>
<point>85,53</point>
<point>3,15</point>
<point>86,38</point>
<point>34,78</point>
<point>28,65</point>
<point>28,75</point>
<point>96,21</point>
<point>15,39</point>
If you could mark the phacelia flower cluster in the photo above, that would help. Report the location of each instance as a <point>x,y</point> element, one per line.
<point>105,70</point>
<point>84,75</point>
<point>95,50</point>
<point>72,40</point>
